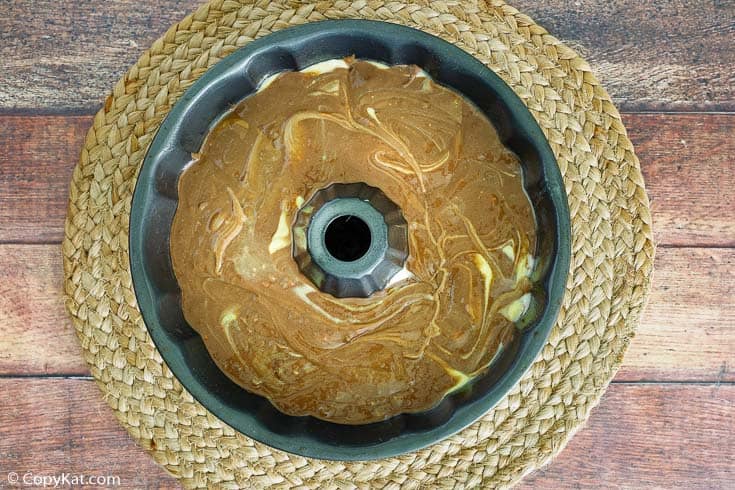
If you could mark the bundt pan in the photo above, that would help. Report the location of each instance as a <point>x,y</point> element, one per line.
<point>182,134</point>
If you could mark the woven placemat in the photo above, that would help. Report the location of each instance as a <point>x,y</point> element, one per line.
<point>612,254</point>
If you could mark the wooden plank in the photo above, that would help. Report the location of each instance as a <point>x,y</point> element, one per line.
<point>686,333</point>
<point>36,335</point>
<point>37,157</point>
<point>650,436</point>
<point>687,161</point>
<point>687,329</point>
<point>664,436</point>
<point>54,426</point>
<point>650,55</point>
<point>69,54</point>
<point>686,158</point>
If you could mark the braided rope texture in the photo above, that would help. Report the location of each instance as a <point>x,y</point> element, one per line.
<point>612,254</point>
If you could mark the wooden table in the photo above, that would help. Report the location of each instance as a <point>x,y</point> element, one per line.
<point>667,419</point>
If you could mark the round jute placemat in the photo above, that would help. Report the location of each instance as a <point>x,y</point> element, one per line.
<point>612,254</point>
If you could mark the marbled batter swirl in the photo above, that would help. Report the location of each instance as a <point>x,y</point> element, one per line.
<point>471,238</point>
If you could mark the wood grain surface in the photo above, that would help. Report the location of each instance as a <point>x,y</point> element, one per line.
<point>687,160</point>
<point>66,54</point>
<point>651,55</point>
<point>686,333</point>
<point>36,335</point>
<point>641,435</point>
<point>37,157</point>
<point>650,436</point>
<point>667,419</point>
<point>68,428</point>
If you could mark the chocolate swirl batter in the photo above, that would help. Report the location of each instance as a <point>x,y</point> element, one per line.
<point>471,236</point>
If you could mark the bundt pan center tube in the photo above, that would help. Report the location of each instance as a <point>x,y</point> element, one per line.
<point>367,264</point>
<point>356,240</point>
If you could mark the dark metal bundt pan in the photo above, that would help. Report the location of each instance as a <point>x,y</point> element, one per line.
<point>387,238</point>
<point>155,200</point>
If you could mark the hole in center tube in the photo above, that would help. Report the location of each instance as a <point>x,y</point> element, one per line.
<point>347,238</point>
